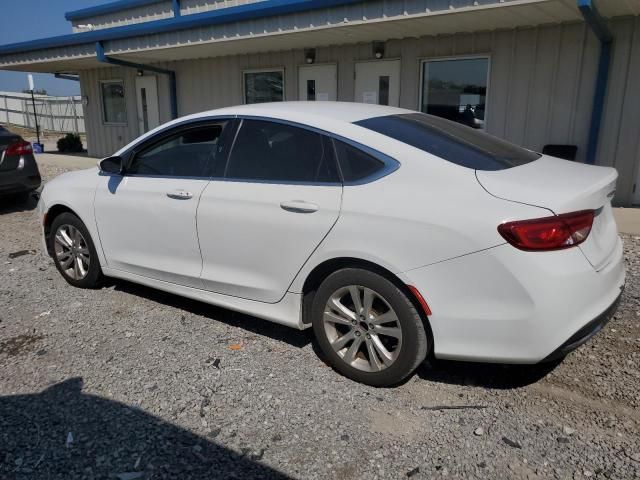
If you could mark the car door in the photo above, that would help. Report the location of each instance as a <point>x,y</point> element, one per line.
<point>279,197</point>
<point>147,217</point>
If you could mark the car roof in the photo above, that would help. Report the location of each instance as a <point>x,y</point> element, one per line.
<point>337,111</point>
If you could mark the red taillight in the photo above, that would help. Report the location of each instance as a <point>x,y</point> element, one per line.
<point>19,148</point>
<point>549,233</point>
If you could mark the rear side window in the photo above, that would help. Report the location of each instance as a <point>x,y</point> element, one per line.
<point>451,141</point>
<point>271,151</point>
<point>356,164</point>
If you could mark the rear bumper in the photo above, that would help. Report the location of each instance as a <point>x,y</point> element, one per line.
<point>11,183</point>
<point>586,333</point>
<point>505,305</point>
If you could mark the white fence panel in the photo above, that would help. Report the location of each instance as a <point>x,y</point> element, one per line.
<point>55,114</point>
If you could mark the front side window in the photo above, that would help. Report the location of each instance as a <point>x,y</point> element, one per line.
<point>114,108</point>
<point>189,153</point>
<point>266,86</point>
<point>451,141</point>
<point>275,152</point>
<point>456,89</point>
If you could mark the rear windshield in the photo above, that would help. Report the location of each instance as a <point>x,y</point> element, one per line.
<point>451,141</point>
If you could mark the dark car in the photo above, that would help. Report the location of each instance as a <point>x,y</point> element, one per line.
<point>19,174</point>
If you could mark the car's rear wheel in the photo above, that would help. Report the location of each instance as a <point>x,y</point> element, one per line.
<point>74,253</point>
<point>368,328</point>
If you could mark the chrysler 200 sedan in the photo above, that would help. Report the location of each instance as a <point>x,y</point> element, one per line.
<point>394,234</point>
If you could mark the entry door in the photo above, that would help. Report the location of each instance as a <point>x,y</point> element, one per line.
<point>318,82</point>
<point>378,82</point>
<point>147,96</point>
<point>280,197</point>
<point>147,217</point>
<point>636,193</point>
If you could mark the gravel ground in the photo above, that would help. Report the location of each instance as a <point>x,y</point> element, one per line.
<point>126,382</point>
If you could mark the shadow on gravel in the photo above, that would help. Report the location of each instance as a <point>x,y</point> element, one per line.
<point>485,375</point>
<point>249,323</point>
<point>62,433</point>
<point>15,204</point>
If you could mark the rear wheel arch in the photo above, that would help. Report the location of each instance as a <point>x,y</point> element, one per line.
<point>321,271</point>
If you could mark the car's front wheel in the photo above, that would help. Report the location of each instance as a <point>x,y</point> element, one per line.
<point>368,328</point>
<point>74,253</point>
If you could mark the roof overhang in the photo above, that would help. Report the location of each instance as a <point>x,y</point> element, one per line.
<point>157,42</point>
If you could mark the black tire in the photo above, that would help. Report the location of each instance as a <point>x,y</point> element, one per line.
<point>93,277</point>
<point>410,352</point>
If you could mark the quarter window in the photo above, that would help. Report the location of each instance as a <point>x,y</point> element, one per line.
<point>114,109</point>
<point>189,153</point>
<point>456,89</point>
<point>264,86</point>
<point>276,152</point>
<point>356,164</point>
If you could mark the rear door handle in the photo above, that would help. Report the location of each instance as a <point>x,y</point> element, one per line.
<point>299,206</point>
<point>180,194</point>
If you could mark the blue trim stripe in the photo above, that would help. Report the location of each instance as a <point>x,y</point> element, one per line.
<point>251,11</point>
<point>108,8</point>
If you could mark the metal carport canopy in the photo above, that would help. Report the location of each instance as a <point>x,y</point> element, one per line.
<point>237,30</point>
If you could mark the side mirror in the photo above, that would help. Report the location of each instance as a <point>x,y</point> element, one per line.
<point>112,165</point>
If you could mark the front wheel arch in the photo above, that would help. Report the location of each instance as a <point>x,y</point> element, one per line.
<point>52,213</point>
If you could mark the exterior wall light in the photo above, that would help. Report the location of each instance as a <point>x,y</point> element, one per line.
<point>378,49</point>
<point>310,55</point>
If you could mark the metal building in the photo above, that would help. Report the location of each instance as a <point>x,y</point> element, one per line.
<point>540,73</point>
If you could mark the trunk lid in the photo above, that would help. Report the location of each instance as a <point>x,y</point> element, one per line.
<point>563,187</point>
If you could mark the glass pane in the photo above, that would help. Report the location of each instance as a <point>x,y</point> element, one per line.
<point>145,109</point>
<point>355,163</point>
<point>190,153</point>
<point>311,89</point>
<point>276,152</point>
<point>451,141</point>
<point>262,87</point>
<point>383,90</point>
<point>456,90</point>
<point>113,102</point>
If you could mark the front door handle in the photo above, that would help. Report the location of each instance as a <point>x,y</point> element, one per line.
<point>180,194</point>
<point>299,206</point>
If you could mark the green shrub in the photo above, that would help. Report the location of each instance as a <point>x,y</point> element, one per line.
<point>70,143</point>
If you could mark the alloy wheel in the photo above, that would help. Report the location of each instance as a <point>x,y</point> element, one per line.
<point>362,328</point>
<point>72,252</point>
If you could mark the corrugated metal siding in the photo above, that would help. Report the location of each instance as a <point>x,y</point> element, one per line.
<point>189,7</point>
<point>541,86</point>
<point>620,141</point>
<point>146,13</point>
<point>315,19</point>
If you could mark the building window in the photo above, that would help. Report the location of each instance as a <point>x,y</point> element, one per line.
<point>456,89</point>
<point>264,86</point>
<point>114,108</point>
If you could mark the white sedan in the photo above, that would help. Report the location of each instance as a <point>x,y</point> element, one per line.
<point>394,234</point>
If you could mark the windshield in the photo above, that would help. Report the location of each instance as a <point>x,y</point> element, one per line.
<point>451,141</point>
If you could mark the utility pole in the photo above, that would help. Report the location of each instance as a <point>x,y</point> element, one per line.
<point>33,102</point>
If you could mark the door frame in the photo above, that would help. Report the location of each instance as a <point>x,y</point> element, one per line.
<point>139,102</point>
<point>423,60</point>
<point>378,60</point>
<point>314,64</point>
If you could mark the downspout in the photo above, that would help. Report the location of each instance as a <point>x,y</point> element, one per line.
<point>176,8</point>
<point>173,90</point>
<point>599,26</point>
